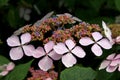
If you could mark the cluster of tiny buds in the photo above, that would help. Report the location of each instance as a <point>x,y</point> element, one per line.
<point>42,75</point>
<point>115,28</point>
<point>58,32</point>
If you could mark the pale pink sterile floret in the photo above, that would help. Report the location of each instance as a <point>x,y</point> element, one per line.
<point>46,62</point>
<point>19,46</point>
<point>6,68</point>
<point>67,49</point>
<point>98,41</point>
<point>111,63</point>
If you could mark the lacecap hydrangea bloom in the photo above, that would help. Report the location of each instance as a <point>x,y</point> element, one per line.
<point>58,37</point>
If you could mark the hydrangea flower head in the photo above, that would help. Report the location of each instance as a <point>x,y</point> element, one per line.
<point>67,49</point>
<point>98,41</point>
<point>19,46</point>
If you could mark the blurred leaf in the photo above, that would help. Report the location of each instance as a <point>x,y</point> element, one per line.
<point>117,3</point>
<point>95,4</point>
<point>3,2</point>
<point>98,20</point>
<point>11,18</point>
<point>103,75</point>
<point>3,60</point>
<point>69,3</point>
<point>78,73</point>
<point>19,72</point>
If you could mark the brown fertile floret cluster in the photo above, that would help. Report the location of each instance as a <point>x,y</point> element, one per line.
<point>58,31</point>
<point>42,75</point>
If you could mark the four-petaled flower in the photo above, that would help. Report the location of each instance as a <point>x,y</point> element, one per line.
<point>20,46</point>
<point>46,62</point>
<point>68,49</point>
<point>111,63</point>
<point>6,68</point>
<point>98,41</point>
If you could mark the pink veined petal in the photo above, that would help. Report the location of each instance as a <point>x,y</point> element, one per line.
<point>45,63</point>
<point>60,48</point>
<point>117,56</point>
<point>115,62</point>
<point>68,60</point>
<point>85,41</point>
<point>39,52</point>
<point>4,73</point>
<point>118,39</point>
<point>111,56</point>
<point>10,66</point>
<point>104,64</point>
<point>54,55</point>
<point>97,36</point>
<point>67,14</point>
<point>70,44</point>
<point>96,50</point>
<point>105,44</point>
<point>28,49</point>
<point>49,46</point>
<point>25,38</point>
<point>111,68</point>
<point>79,52</point>
<point>13,41</point>
<point>16,53</point>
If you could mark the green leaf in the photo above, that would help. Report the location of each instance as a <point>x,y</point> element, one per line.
<point>103,75</point>
<point>3,60</point>
<point>117,3</point>
<point>20,72</point>
<point>95,4</point>
<point>11,18</point>
<point>78,73</point>
<point>3,2</point>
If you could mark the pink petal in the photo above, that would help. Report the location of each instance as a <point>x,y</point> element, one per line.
<point>104,64</point>
<point>97,36</point>
<point>67,14</point>
<point>70,44</point>
<point>111,56</point>
<point>39,52</point>
<point>105,44</point>
<point>25,38</point>
<point>3,73</point>
<point>54,55</point>
<point>79,52</point>
<point>85,41</point>
<point>118,39</point>
<point>28,49</point>
<point>10,66</point>
<point>60,48</point>
<point>16,53</point>
<point>96,50</point>
<point>117,56</point>
<point>69,60</point>
<point>45,63</point>
<point>49,46</point>
<point>115,62</point>
<point>13,41</point>
<point>111,68</point>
